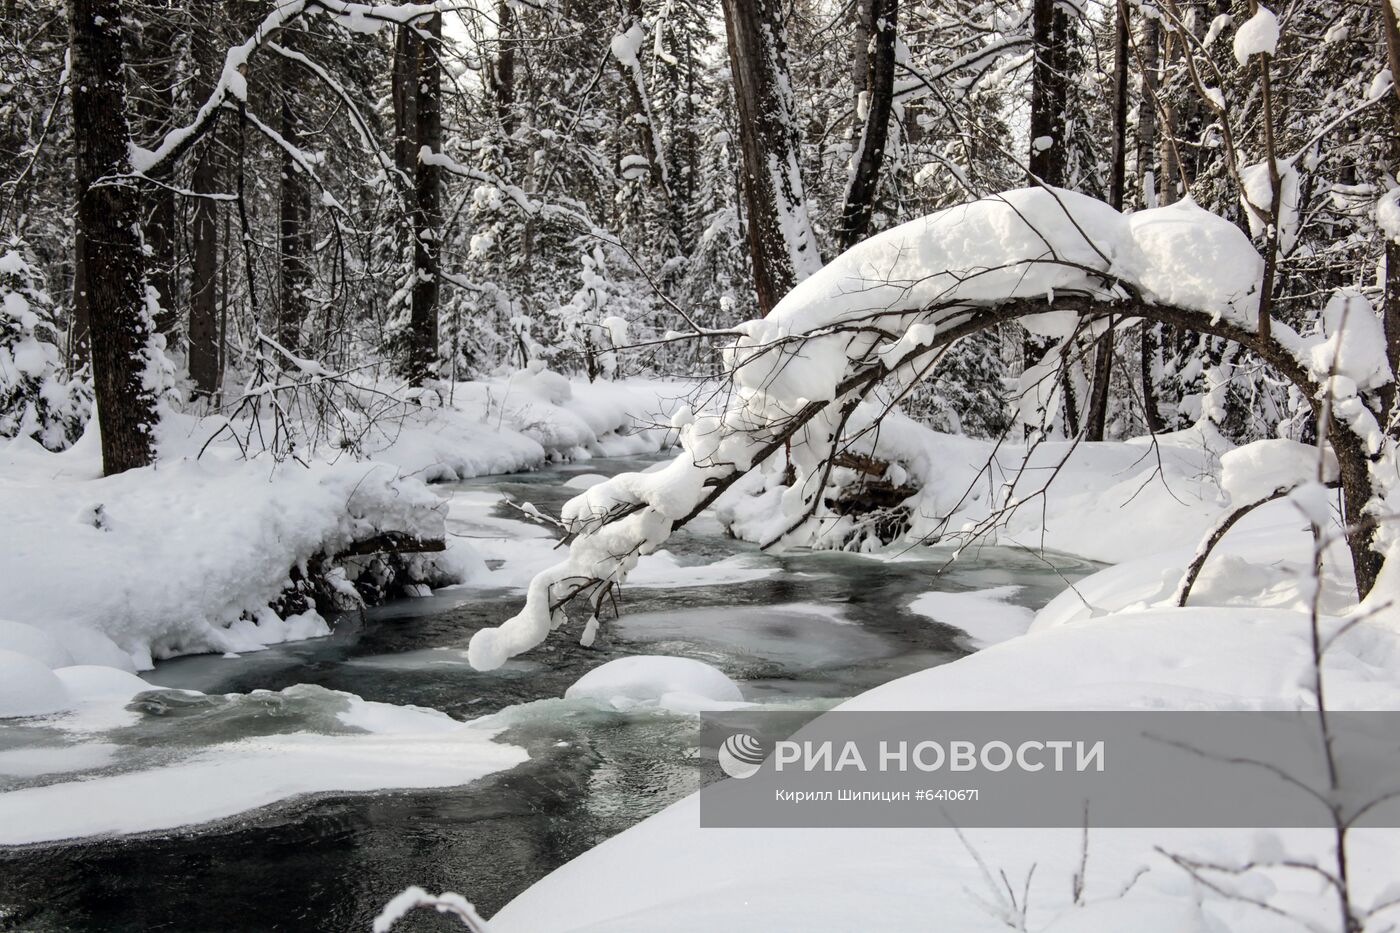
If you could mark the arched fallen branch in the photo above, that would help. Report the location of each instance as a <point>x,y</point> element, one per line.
<point>1055,261</point>
<point>1216,535</point>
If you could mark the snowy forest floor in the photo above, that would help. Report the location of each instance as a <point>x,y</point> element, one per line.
<point>106,575</point>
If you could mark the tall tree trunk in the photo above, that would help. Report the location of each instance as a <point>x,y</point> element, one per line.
<point>404,89</point>
<point>1390,306</point>
<point>863,14</point>
<point>109,218</point>
<point>423,322</point>
<point>782,244</point>
<point>294,270</point>
<point>500,76</point>
<point>878,105</point>
<point>1147,113</point>
<point>204,311</point>
<point>1118,170</point>
<point>1096,420</point>
<point>1169,178</point>
<point>154,109</point>
<point>1147,197</point>
<point>1052,35</point>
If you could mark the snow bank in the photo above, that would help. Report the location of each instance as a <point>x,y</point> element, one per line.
<point>1101,497</point>
<point>1251,472</point>
<point>1265,561</point>
<point>28,687</point>
<point>189,555</point>
<point>192,554</point>
<point>655,680</point>
<point>520,421</point>
<point>333,742</point>
<point>669,874</point>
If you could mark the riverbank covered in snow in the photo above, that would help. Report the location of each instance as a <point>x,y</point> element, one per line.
<point>197,553</point>
<point>670,874</point>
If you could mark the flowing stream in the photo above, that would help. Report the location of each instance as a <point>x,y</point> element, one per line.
<point>799,629</point>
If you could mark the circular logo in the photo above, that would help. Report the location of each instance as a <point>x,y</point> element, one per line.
<point>741,755</point>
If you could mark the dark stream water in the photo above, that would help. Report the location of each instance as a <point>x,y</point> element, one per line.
<point>818,628</point>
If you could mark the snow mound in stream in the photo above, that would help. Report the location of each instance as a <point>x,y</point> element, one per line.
<point>678,684</point>
<point>27,687</point>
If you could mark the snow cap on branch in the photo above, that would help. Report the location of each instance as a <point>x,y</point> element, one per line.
<point>1258,35</point>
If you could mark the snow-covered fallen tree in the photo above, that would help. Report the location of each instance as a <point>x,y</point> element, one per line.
<point>875,321</point>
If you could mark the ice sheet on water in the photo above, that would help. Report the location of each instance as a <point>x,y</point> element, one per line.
<point>797,635</point>
<point>665,569</point>
<point>435,659</point>
<point>986,616</point>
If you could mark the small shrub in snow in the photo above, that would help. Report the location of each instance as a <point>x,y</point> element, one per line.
<point>37,398</point>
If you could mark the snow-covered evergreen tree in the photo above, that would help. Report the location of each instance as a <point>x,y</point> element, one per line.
<point>39,399</point>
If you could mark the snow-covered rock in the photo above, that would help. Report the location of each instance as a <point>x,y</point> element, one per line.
<point>187,556</point>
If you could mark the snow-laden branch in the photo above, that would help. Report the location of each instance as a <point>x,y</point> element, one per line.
<point>232,83</point>
<point>527,205</point>
<point>1049,258</point>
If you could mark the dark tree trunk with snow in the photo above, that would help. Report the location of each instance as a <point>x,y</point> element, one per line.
<point>1147,197</point>
<point>109,219</point>
<point>294,207</point>
<point>1052,35</point>
<point>1390,302</point>
<point>782,245</point>
<point>404,90</point>
<point>500,76</point>
<point>1118,153</point>
<point>1096,419</point>
<point>423,322</point>
<point>878,84</point>
<point>204,309</point>
<point>155,111</point>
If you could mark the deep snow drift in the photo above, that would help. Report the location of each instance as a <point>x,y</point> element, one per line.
<point>189,555</point>
<point>669,874</point>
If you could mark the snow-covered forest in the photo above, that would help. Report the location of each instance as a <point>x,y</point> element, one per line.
<point>414,416</point>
